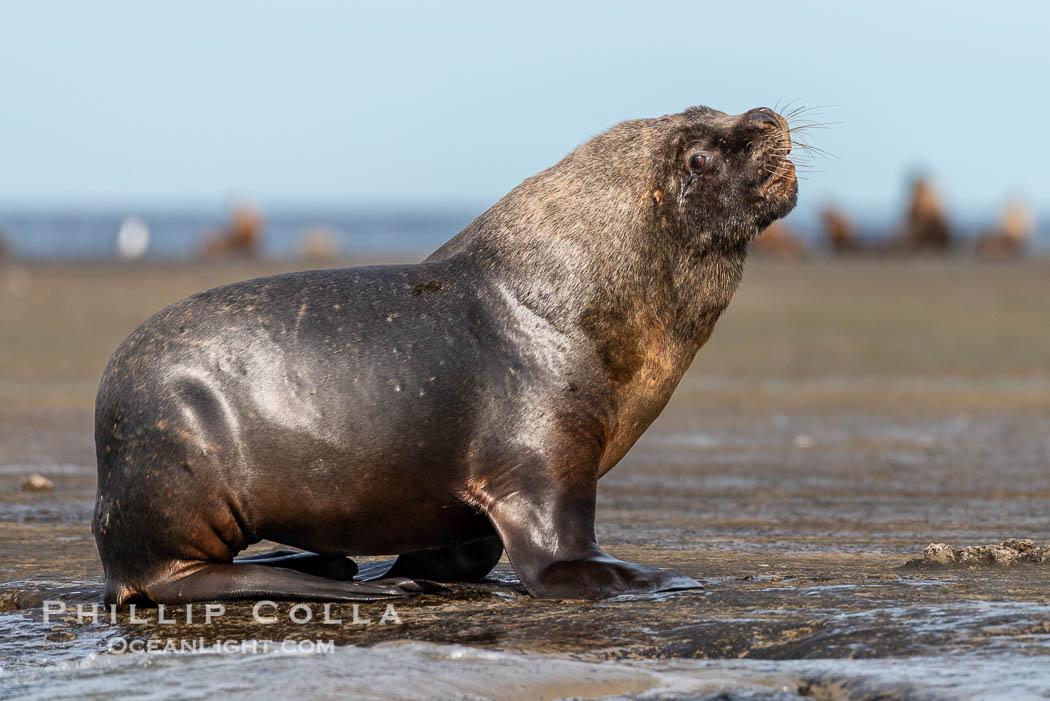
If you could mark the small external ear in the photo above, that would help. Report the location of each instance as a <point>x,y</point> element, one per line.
<point>658,196</point>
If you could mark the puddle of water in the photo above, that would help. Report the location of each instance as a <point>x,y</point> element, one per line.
<point>47,510</point>
<point>980,649</point>
<point>422,671</point>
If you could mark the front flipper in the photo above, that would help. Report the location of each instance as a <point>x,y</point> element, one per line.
<point>546,522</point>
<point>598,575</point>
<point>468,562</point>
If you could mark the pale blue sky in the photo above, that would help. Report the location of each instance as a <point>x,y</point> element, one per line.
<point>326,104</point>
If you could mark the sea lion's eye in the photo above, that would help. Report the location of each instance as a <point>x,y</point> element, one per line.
<point>697,161</point>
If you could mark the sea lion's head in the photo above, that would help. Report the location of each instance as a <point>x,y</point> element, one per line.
<point>701,178</point>
<point>701,174</point>
<point>730,170</point>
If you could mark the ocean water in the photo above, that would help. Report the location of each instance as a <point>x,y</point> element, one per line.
<point>402,234</point>
<point>86,236</point>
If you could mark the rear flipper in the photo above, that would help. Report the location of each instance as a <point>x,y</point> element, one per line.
<point>469,562</point>
<point>231,581</point>
<point>336,567</point>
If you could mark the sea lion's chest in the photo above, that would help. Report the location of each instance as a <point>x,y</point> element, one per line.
<point>664,355</point>
<point>641,399</point>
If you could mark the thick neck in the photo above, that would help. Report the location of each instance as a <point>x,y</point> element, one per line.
<point>619,262</point>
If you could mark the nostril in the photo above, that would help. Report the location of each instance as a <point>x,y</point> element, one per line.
<point>765,116</point>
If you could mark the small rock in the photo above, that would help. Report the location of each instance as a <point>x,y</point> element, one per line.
<point>15,600</point>
<point>37,483</point>
<point>985,555</point>
<point>1010,552</point>
<point>1021,545</point>
<point>939,554</point>
<point>60,636</point>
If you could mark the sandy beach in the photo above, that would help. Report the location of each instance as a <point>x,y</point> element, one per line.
<point>845,414</point>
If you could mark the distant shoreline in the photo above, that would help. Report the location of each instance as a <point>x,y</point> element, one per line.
<point>408,235</point>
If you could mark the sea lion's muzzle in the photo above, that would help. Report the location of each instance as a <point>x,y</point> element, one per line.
<point>773,148</point>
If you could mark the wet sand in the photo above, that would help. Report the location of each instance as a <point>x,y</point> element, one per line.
<point>844,415</point>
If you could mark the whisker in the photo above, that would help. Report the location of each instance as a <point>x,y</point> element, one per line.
<point>802,109</point>
<point>812,125</point>
<point>808,148</point>
<point>798,112</point>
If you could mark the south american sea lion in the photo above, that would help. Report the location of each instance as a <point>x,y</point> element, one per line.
<point>443,411</point>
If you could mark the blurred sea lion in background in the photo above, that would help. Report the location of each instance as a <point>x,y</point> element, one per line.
<point>925,226</point>
<point>839,231</point>
<point>1010,238</point>
<point>319,244</point>
<point>242,237</point>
